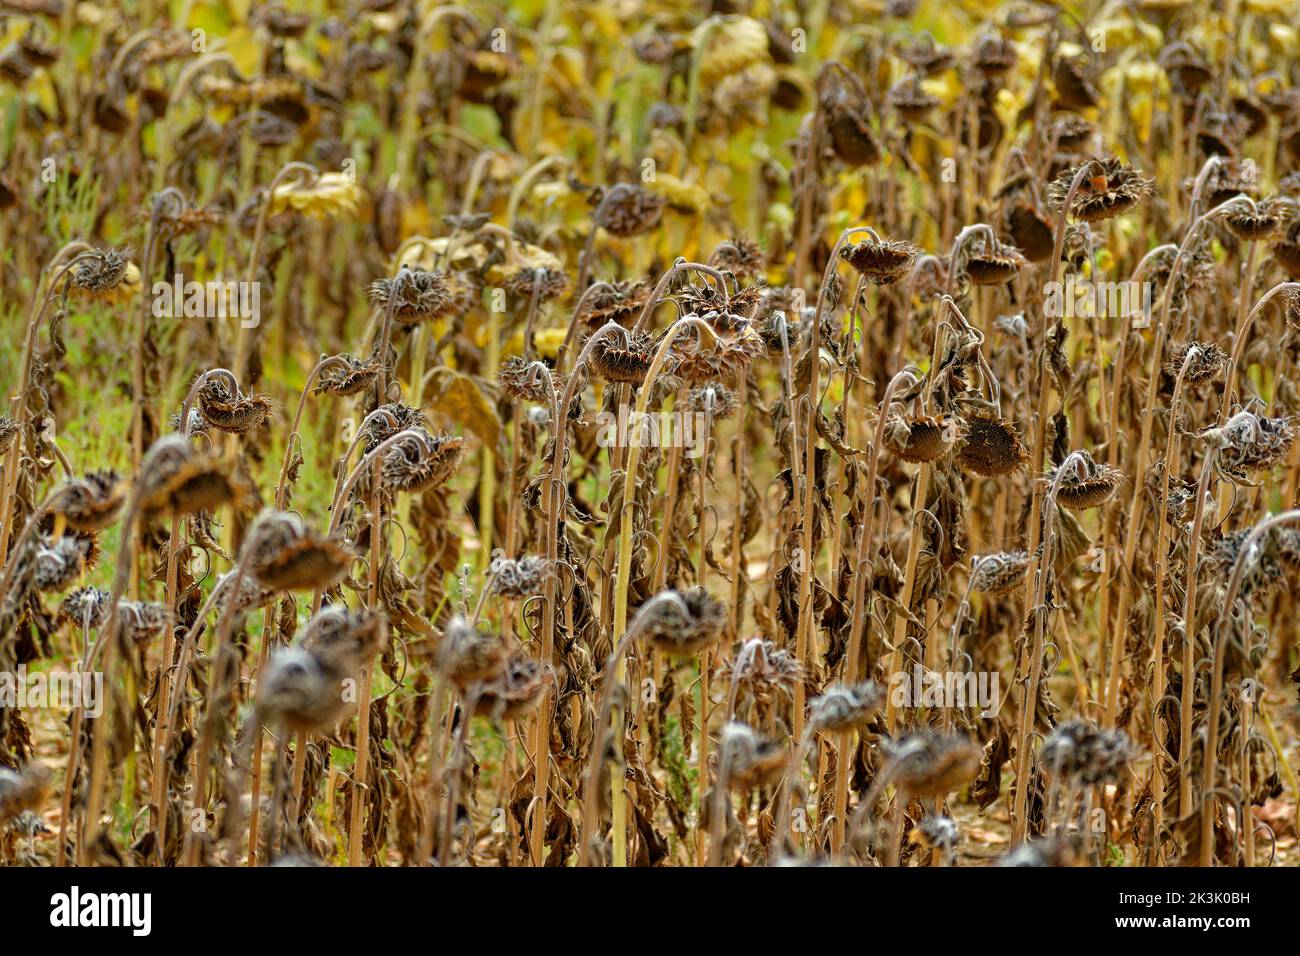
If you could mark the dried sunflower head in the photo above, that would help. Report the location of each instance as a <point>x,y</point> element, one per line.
<point>740,256</point>
<point>397,418</point>
<point>300,692</point>
<point>881,261</point>
<point>414,295</point>
<point>469,656</point>
<point>140,621</point>
<point>344,639</point>
<point>714,400</point>
<point>519,577</point>
<point>1286,252</point>
<point>926,56</point>
<point>623,358</point>
<point>1263,567</point>
<point>1071,132</point>
<point>993,263</point>
<point>1249,443</point>
<point>1058,849</point>
<point>990,446</point>
<point>910,100</point>
<point>845,706</point>
<point>1075,89</point>
<point>999,573</point>
<point>284,555</point>
<point>848,122</point>
<point>681,622</point>
<point>1187,69</point>
<point>93,502</point>
<point>929,763</point>
<point>723,361</point>
<point>764,670</point>
<point>920,439</point>
<point>102,270</point>
<point>516,691</point>
<point>605,302</point>
<point>751,760</point>
<point>1030,231</point>
<point>235,414</point>
<point>1198,362</point>
<point>545,283</point>
<point>415,464</point>
<point>1084,483</point>
<point>1250,221</point>
<point>1111,188</point>
<point>347,376</point>
<point>530,381</point>
<point>85,607</point>
<point>176,478</point>
<point>627,210</point>
<point>1085,753</point>
<point>60,562</point>
<point>994,55</point>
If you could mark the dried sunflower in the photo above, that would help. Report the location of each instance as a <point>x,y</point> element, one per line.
<point>845,706</point>
<point>999,573</point>
<point>752,761</point>
<point>605,302</point>
<point>1198,362</point>
<point>1075,89</point>
<point>929,763</point>
<point>627,210</point>
<point>92,503</point>
<point>285,556</point>
<point>235,414</point>
<point>1085,484</point>
<point>681,622</point>
<point>1250,221</point>
<point>623,358</point>
<point>724,361</point>
<point>469,656</point>
<point>300,692</point>
<point>1087,754</point>
<point>103,270</point>
<point>1286,252</point>
<point>910,100</point>
<point>347,376</point>
<point>414,465</point>
<point>414,295</point>
<point>139,621</point>
<point>994,55</point>
<point>516,691</point>
<point>9,432</point>
<point>397,417</point>
<point>85,607</point>
<point>921,439</point>
<point>1110,189</point>
<point>176,478</point>
<point>848,116</point>
<point>993,263</point>
<point>59,562</point>
<point>519,577</point>
<point>1030,231</point>
<point>990,446</point>
<point>882,261</point>
<point>740,256</point>
<point>1250,443</point>
<point>547,284</point>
